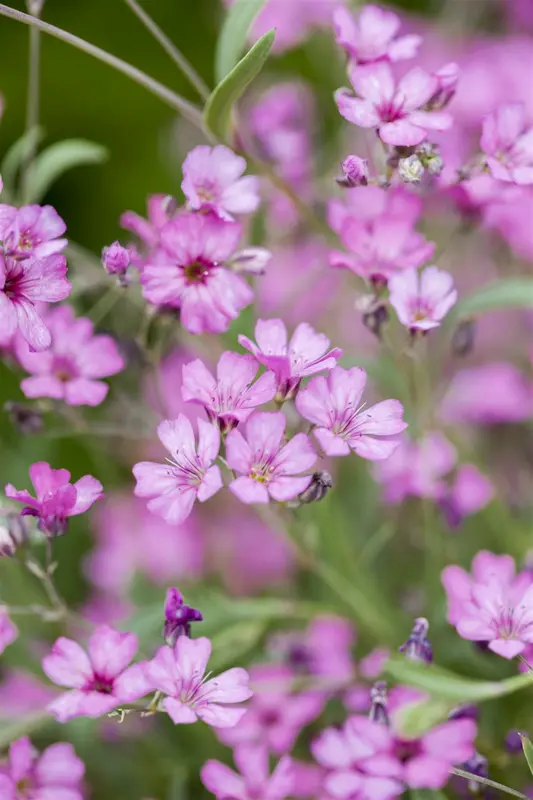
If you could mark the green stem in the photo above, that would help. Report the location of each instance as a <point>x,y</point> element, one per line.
<point>190,111</point>
<point>32,106</point>
<point>469,776</point>
<point>170,48</point>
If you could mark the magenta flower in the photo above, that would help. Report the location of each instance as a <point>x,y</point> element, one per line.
<point>305,354</point>
<point>371,36</point>
<point>354,172</point>
<point>268,468</point>
<point>188,273</point>
<point>333,404</point>
<point>160,210</point>
<point>31,231</point>
<point>422,301</point>
<point>232,396</point>
<point>179,673</point>
<point>57,499</point>
<point>255,781</point>
<point>189,474</point>
<point>212,182</point>
<point>178,617</point>
<point>396,111</point>
<point>70,369</point>
<point>508,143</point>
<point>98,681</point>
<point>487,394</point>
<point>470,492</point>
<point>23,284</point>
<point>8,631</point>
<point>56,773</point>
<point>116,259</point>
<point>323,650</point>
<point>493,605</point>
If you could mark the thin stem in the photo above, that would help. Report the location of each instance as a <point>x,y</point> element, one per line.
<point>190,111</point>
<point>469,776</point>
<point>170,48</point>
<point>32,104</point>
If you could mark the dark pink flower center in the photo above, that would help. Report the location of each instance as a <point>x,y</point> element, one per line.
<point>13,286</point>
<point>198,271</point>
<point>406,749</point>
<point>64,368</point>
<point>101,684</point>
<point>391,110</point>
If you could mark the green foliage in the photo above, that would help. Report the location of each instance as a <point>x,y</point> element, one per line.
<point>527,747</point>
<point>14,160</point>
<point>514,292</point>
<point>57,159</point>
<point>232,38</point>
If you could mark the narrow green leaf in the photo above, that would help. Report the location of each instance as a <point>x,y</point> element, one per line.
<point>415,719</point>
<point>527,747</point>
<point>506,293</point>
<point>217,112</point>
<point>426,794</point>
<point>234,642</point>
<point>233,35</point>
<point>15,158</point>
<point>59,158</point>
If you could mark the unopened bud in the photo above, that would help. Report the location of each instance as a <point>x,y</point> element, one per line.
<point>410,169</point>
<point>464,337</point>
<point>24,418</point>
<point>116,259</point>
<point>513,741</point>
<point>355,172</point>
<point>430,158</point>
<point>378,698</point>
<point>178,617</point>
<point>13,533</point>
<point>477,765</point>
<point>251,260</point>
<point>321,483</point>
<point>466,711</point>
<point>447,78</point>
<point>418,647</point>
<point>375,319</point>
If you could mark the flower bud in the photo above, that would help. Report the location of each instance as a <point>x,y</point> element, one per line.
<point>430,157</point>
<point>464,337</point>
<point>251,260</point>
<point>378,698</point>
<point>418,647</point>
<point>13,533</point>
<point>178,617</point>
<point>375,319</point>
<point>513,741</point>
<point>116,259</point>
<point>321,483</point>
<point>466,711</point>
<point>24,418</point>
<point>447,78</point>
<point>477,765</point>
<point>355,172</point>
<point>410,169</point>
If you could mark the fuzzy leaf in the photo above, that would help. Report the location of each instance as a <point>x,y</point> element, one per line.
<point>527,747</point>
<point>15,158</point>
<point>416,719</point>
<point>217,112</point>
<point>507,293</point>
<point>59,158</point>
<point>233,35</point>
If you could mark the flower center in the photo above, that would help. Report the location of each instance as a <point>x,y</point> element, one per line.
<point>406,749</point>
<point>198,271</point>
<point>23,786</point>
<point>101,684</point>
<point>63,369</point>
<point>262,473</point>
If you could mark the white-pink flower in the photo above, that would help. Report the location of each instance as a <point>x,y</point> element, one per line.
<point>189,474</point>
<point>422,300</point>
<point>507,141</point>
<point>255,781</point>
<point>371,36</point>
<point>212,182</point>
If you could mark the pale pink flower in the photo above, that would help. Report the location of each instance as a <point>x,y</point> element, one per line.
<point>212,181</point>
<point>23,284</point>
<point>422,301</point>
<point>179,673</point>
<point>71,368</point>
<point>507,141</point>
<point>305,354</point>
<point>55,774</point>
<point>231,397</point>
<point>57,499</point>
<point>188,272</point>
<point>395,110</point>
<point>470,492</point>
<point>189,474</point>
<point>8,631</point>
<point>268,468</point>
<point>493,605</point>
<point>371,36</point>
<point>99,680</point>
<point>254,781</point>
<point>31,231</point>
<point>369,204</point>
<point>334,405</point>
<point>487,395</point>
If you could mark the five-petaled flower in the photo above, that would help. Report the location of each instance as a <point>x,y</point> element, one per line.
<point>507,142</point>
<point>422,301</point>
<point>31,231</point>
<point>55,774</point>
<point>371,36</point>
<point>254,780</point>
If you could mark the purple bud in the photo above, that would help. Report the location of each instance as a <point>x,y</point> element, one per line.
<point>25,419</point>
<point>178,617</point>
<point>355,172</point>
<point>418,647</point>
<point>116,259</point>
<point>251,260</point>
<point>378,698</point>
<point>321,483</point>
<point>513,741</point>
<point>467,711</point>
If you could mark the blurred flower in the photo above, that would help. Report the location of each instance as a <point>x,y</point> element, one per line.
<point>323,650</point>
<point>22,694</point>
<point>57,499</point>
<point>57,772</point>
<point>334,405</point>
<point>212,182</point>
<point>161,208</point>
<point>179,673</point>
<point>355,172</point>
<point>394,110</point>
<point>116,259</point>
<point>305,354</point>
<point>70,369</point>
<point>418,647</point>
<point>469,493</point>
<point>99,681</point>
<point>178,617</point>
<point>31,232</point>
<point>232,396</point>
<point>254,781</point>
<point>371,36</point>
<point>416,469</point>
<point>189,475</point>
<point>8,631</point>
<point>508,144</point>
<point>487,395</point>
<point>24,418</point>
<point>268,469</point>
<point>422,301</point>
<point>447,80</point>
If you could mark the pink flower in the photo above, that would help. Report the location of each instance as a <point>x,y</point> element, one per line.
<point>8,631</point>
<point>508,144</point>
<point>487,395</point>
<point>268,469</point>
<point>422,301</point>
<point>493,605</point>
<point>98,681</point>
<point>70,369</point>
<point>57,499</point>
<point>116,259</point>
<point>22,285</point>
<point>305,354</point>
<point>55,773</point>
<point>31,231</point>
<point>333,404</point>
<point>189,273</point>
<point>323,650</point>
<point>254,782</point>
<point>179,673</point>
<point>232,396</point>
<point>189,474</point>
<point>371,35</point>
<point>212,182</point>
<point>160,210</point>
<point>394,110</point>
<point>354,172</point>
<point>470,492</point>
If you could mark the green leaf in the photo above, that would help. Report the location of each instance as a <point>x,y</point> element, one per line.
<point>15,158</point>
<point>415,719</point>
<point>507,293</point>
<point>233,35</point>
<point>217,112</point>
<point>527,747</point>
<point>426,794</point>
<point>25,726</point>
<point>234,642</point>
<point>59,158</point>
